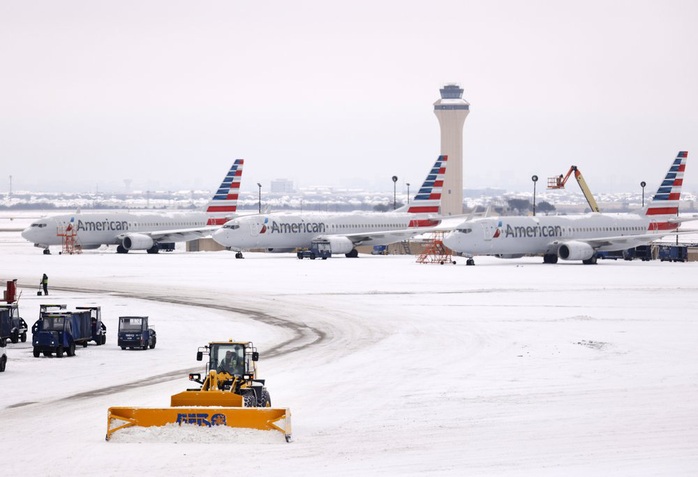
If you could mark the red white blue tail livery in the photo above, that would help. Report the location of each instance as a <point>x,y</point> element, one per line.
<point>225,202</point>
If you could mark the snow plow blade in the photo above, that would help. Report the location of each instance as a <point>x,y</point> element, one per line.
<point>261,418</point>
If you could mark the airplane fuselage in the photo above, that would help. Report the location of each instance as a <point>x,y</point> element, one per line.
<point>105,228</point>
<point>540,235</point>
<point>285,232</point>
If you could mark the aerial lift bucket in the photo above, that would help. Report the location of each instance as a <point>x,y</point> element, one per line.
<point>261,418</point>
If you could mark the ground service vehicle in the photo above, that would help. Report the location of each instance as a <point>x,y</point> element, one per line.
<point>98,328</point>
<point>12,325</point>
<point>230,395</point>
<point>673,253</point>
<point>318,249</point>
<point>3,356</point>
<point>56,332</point>
<point>134,333</point>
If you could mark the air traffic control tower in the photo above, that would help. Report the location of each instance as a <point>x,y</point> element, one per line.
<point>451,111</point>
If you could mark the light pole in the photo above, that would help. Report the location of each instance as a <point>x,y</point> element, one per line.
<point>408,192</point>
<point>259,197</point>
<point>534,178</point>
<point>10,186</point>
<point>643,184</point>
<point>394,192</point>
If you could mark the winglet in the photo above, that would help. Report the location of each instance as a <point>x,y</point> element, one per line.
<point>665,203</point>
<point>224,203</point>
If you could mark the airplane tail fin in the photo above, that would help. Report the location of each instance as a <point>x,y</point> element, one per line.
<point>428,199</point>
<point>223,206</point>
<point>664,206</point>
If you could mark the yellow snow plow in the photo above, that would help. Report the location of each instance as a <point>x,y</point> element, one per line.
<point>230,395</point>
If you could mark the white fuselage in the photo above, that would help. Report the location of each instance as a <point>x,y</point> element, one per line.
<point>105,228</point>
<point>540,235</point>
<point>286,232</point>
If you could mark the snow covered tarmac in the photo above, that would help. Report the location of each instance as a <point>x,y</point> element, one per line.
<point>389,367</point>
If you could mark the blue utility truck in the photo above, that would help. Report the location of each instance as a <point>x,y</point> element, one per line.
<point>134,333</point>
<point>59,332</point>
<point>12,326</point>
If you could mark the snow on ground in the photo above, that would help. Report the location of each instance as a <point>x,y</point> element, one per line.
<point>389,367</point>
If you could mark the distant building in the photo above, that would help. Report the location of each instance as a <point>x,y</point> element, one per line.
<point>282,186</point>
<point>451,111</point>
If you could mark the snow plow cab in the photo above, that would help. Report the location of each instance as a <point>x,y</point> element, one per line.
<point>230,394</point>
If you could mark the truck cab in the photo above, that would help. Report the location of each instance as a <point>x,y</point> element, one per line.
<point>318,249</point>
<point>134,333</point>
<point>13,327</point>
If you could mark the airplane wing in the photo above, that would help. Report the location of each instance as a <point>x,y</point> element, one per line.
<point>621,242</point>
<point>178,235</point>
<point>381,238</point>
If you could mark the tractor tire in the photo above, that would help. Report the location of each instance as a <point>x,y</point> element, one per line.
<point>59,352</point>
<point>265,401</point>
<point>3,363</point>
<point>249,400</point>
<point>36,352</point>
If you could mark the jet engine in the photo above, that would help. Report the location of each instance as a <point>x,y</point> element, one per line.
<point>575,251</point>
<point>137,242</point>
<point>340,244</point>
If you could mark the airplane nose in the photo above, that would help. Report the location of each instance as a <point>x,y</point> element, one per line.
<point>450,240</point>
<point>218,236</point>
<point>27,234</point>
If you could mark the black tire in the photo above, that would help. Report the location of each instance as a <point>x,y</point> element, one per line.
<point>123,347</point>
<point>71,349</point>
<point>104,339</point>
<point>23,337</point>
<point>249,400</point>
<point>353,254</point>
<point>3,363</point>
<point>84,344</point>
<point>36,352</point>
<point>14,336</point>
<point>152,346</point>
<point>266,399</point>
<point>59,352</point>
<point>121,249</point>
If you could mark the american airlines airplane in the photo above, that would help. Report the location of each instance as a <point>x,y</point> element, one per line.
<point>139,230</point>
<point>573,237</point>
<point>285,232</point>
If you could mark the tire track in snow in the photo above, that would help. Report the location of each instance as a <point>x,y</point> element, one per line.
<point>303,336</point>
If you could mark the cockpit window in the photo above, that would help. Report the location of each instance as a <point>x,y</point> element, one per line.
<point>465,230</point>
<point>231,226</point>
<point>42,225</point>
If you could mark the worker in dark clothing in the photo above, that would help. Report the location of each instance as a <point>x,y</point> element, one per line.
<point>44,284</point>
<point>231,364</point>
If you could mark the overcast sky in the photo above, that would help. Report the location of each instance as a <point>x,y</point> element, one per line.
<point>168,93</point>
